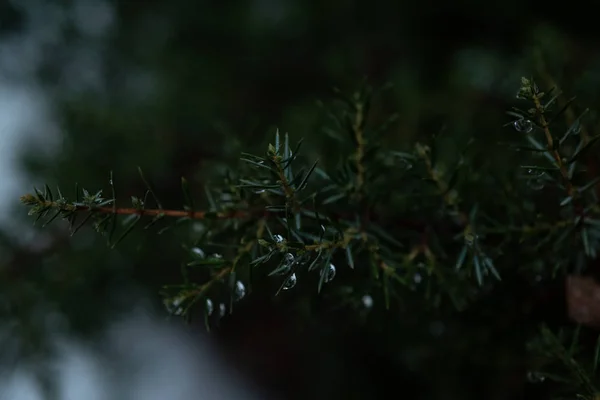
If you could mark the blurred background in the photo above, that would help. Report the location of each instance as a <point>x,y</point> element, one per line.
<point>180,88</point>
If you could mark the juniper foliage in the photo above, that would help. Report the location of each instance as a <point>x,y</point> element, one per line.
<point>381,228</point>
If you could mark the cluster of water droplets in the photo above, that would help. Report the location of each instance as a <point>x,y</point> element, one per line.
<point>209,306</point>
<point>523,125</point>
<point>174,305</point>
<point>289,260</point>
<point>287,263</point>
<point>239,290</point>
<point>286,266</point>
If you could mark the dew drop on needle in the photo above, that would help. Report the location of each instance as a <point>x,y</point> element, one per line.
<point>239,290</point>
<point>290,282</point>
<point>523,125</point>
<point>209,307</point>
<point>329,273</point>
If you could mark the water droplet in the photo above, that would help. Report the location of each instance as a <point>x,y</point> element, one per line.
<point>198,252</point>
<point>535,377</point>
<point>417,278</point>
<point>216,255</point>
<point>523,125</point>
<point>329,273</point>
<point>239,291</point>
<point>222,310</point>
<point>177,301</point>
<point>289,259</point>
<point>286,264</point>
<point>209,307</point>
<point>278,239</point>
<point>367,301</point>
<point>290,282</point>
<point>259,191</point>
<point>173,305</point>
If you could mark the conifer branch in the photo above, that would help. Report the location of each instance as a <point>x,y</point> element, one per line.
<point>552,148</point>
<point>358,131</point>
<point>280,218</point>
<point>32,200</point>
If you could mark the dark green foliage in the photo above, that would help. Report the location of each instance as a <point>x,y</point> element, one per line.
<point>367,224</point>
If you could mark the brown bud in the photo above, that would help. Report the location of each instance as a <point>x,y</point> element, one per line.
<point>583,300</point>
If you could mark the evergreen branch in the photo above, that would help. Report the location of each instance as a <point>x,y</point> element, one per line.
<point>260,218</point>
<point>357,127</point>
<point>552,147</point>
<point>568,107</point>
<point>283,181</point>
<point>199,292</point>
<point>528,229</point>
<point>199,215</point>
<point>434,175</point>
<point>557,348</point>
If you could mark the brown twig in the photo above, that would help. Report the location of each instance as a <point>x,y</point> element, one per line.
<point>550,141</point>
<point>360,148</point>
<point>137,211</point>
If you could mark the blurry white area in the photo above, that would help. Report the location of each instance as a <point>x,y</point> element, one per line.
<point>24,121</point>
<point>139,358</point>
<point>92,17</point>
<point>25,116</point>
